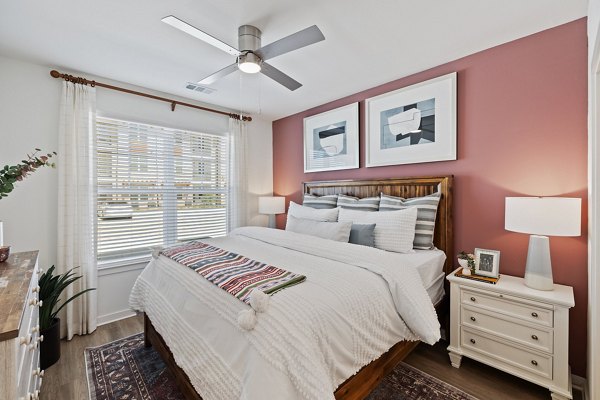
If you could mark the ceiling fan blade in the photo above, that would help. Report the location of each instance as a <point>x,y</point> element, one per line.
<point>219,74</point>
<point>279,76</point>
<point>198,34</point>
<point>289,43</point>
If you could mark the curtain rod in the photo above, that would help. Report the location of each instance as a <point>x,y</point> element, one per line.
<point>75,79</point>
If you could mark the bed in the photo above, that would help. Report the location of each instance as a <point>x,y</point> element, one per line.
<point>172,337</point>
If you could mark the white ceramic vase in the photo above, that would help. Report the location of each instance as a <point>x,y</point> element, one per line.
<point>465,266</point>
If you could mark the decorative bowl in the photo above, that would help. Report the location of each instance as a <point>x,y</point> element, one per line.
<point>4,253</point>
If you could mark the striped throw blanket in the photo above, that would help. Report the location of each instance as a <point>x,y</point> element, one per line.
<point>234,273</point>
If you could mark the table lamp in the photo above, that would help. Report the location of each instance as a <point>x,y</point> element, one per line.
<point>271,206</point>
<point>542,217</point>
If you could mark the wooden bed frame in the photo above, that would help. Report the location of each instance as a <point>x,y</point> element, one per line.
<point>356,387</point>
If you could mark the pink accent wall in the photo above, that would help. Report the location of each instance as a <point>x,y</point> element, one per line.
<point>522,131</point>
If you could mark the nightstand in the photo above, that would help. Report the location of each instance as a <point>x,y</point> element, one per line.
<point>514,328</point>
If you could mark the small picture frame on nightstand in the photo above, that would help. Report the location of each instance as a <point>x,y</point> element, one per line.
<point>487,263</point>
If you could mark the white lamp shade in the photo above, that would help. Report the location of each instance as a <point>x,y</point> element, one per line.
<point>271,205</point>
<point>548,216</point>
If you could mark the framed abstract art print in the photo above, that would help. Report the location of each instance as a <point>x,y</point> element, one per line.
<point>331,140</point>
<point>414,124</point>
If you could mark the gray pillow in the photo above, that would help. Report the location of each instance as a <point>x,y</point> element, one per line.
<point>328,201</point>
<point>362,234</point>
<point>354,203</point>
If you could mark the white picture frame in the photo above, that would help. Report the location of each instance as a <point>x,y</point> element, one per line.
<point>331,140</point>
<point>415,124</point>
<point>487,263</point>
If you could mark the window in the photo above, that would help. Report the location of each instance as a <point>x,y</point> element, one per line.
<point>157,186</point>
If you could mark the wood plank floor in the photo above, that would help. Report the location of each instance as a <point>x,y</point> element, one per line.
<point>66,380</point>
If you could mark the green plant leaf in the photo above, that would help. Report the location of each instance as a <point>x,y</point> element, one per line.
<point>51,288</point>
<point>70,299</point>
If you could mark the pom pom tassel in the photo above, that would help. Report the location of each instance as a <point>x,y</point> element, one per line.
<point>259,301</point>
<point>247,319</point>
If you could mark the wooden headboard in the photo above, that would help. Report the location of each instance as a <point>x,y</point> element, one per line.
<point>402,187</point>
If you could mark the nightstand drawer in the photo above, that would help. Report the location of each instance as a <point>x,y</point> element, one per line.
<point>504,304</point>
<point>535,337</point>
<point>534,363</point>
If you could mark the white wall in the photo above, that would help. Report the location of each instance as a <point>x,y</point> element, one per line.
<point>29,104</point>
<point>260,167</point>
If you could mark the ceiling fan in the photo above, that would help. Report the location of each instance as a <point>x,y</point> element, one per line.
<point>251,56</point>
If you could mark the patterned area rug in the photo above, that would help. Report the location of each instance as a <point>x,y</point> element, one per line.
<point>126,370</point>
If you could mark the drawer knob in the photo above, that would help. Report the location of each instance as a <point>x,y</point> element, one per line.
<point>40,303</point>
<point>534,337</point>
<point>33,302</point>
<point>40,339</point>
<point>534,362</point>
<point>41,374</point>
<point>35,329</point>
<point>24,340</point>
<point>534,314</point>
<point>473,319</point>
<point>35,289</point>
<point>473,341</point>
<point>472,298</point>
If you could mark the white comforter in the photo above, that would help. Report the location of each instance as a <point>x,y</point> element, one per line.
<point>356,303</point>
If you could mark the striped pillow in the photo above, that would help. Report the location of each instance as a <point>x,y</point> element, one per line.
<point>329,201</point>
<point>354,203</point>
<point>426,213</point>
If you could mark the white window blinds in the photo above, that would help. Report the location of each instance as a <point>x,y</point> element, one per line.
<point>157,186</point>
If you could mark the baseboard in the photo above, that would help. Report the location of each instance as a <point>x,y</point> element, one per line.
<point>116,316</point>
<point>580,384</point>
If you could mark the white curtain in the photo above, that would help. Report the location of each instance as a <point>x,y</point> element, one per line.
<point>237,192</point>
<point>77,189</point>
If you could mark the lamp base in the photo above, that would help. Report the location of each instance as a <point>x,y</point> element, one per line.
<point>538,271</point>
<point>272,221</point>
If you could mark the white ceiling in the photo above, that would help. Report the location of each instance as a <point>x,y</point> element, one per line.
<point>367,42</point>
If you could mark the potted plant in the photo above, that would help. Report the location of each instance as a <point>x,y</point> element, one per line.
<point>10,174</point>
<point>467,262</point>
<point>51,287</point>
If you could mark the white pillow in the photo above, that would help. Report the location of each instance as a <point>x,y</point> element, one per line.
<point>304,212</point>
<point>394,230</point>
<point>338,231</point>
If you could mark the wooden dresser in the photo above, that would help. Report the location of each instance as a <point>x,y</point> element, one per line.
<point>20,375</point>
<point>512,327</point>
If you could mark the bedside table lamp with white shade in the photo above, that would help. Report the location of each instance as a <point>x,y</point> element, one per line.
<point>542,217</point>
<point>271,206</point>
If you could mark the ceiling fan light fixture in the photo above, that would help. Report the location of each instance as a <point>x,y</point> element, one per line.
<point>249,63</point>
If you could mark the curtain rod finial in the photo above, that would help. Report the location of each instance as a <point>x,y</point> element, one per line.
<point>55,74</point>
